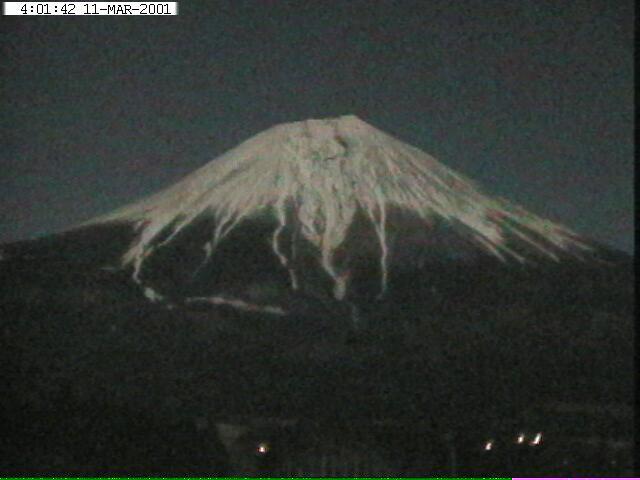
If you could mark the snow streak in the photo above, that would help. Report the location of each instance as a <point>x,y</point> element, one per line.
<point>329,170</point>
<point>239,304</point>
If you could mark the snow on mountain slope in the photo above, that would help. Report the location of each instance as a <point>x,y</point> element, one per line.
<point>315,177</point>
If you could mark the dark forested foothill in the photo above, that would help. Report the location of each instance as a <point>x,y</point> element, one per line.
<point>100,380</point>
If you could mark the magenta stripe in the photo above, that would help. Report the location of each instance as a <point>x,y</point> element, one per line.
<point>575,478</point>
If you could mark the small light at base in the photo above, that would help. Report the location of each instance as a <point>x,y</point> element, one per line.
<point>537,439</point>
<point>262,448</point>
<point>489,445</point>
<point>520,438</point>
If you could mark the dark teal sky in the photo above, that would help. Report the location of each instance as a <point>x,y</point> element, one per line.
<point>532,99</point>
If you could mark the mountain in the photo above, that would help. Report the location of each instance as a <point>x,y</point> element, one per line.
<point>334,209</point>
<point>320,269</point>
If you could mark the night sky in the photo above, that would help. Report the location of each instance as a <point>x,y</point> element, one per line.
<point>532,99</point>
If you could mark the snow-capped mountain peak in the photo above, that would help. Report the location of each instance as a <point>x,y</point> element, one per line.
<point>313,178</point>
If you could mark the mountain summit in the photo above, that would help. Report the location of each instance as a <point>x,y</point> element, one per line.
<point>326,196</point>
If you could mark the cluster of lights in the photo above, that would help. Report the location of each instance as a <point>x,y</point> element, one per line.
<point>536,440</point>
<point>521,439</point>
